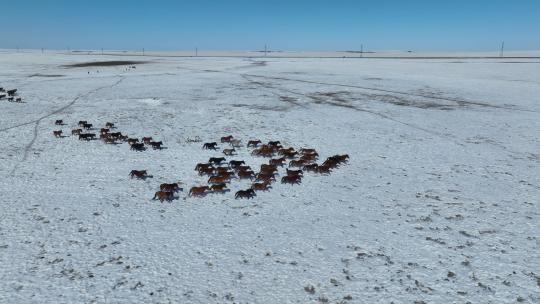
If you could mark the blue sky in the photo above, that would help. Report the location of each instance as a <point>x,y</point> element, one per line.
<point>474,25</point>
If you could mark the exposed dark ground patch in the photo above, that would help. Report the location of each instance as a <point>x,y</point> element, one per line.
<point>104,63</point>
<point>45,75</point>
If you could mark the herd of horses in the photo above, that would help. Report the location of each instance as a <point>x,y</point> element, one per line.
<point>10,94</point>
<point>220,172</point>
<point>108,136</point>
<point>295,162</point>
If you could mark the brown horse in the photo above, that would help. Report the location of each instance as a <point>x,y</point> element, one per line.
<point>109,125</point>
<point>76,131</point>
<point>87,126</point>
<point>246,174</point>
<point>104,131</point>
<point>207,171</point>
<point>140,174</point>
<point>265,177</point>
<point>164,196</point>
<point>218,179</point>
<point>82,123</point>
<point>59,122</point>
<point>200,166</point>
<point>265,186</point>
<point>57,133</point>
<point>219,188</point>
<point>226,174</point>
<point>198,191</point>
<point>147,140</point>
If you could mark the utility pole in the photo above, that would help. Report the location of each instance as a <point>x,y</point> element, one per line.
<point>361,50</point>
<point>101,51</point>
<point>143,51</point>
<point>502,50</point>
<point>196,52</point>
<point>265,50</point>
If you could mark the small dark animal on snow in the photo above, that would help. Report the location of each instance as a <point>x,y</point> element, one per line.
<point>140,174</point>
<point>249,193</point>
<point>210,146</point>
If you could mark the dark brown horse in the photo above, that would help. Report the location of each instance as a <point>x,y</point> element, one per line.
<point>278,161</point>
<point>164,196</point>
<point>226,139</point>
<point>138,147</point>
<point>219,188</point>
<point>174,187</point>
<point>249,193</point>
<point>253,143</point>
<point>210,146</point>
<point>140,174</point>
<point>295,179</point>
<point>156,145</point>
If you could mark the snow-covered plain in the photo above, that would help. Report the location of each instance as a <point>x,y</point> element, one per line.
<point>438,204</point>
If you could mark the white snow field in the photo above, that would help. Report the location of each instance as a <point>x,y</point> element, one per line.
<point>439,202</point>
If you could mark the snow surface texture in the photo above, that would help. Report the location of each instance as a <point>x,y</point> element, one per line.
<point>439,202</point>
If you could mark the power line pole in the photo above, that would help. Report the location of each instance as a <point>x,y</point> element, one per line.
<point>196,52</point>
<point>143,51</point>
<point>361,50</point>
<point>265,50</point>
<point>502,50</point>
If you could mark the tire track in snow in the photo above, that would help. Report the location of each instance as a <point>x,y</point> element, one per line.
<point>28,147</point>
